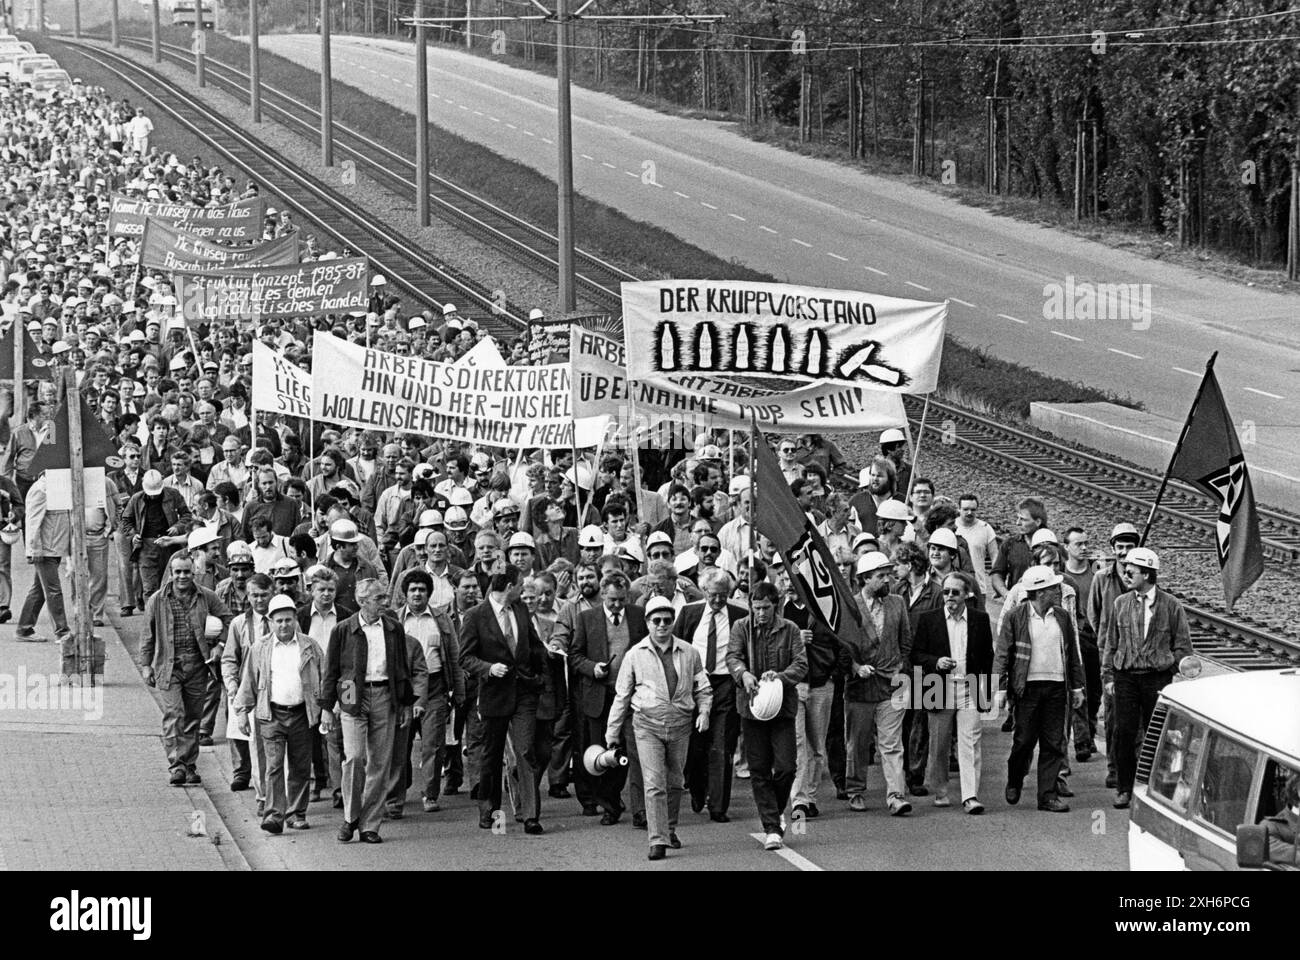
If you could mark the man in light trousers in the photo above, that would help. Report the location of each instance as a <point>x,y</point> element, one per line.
<point>664,682</point>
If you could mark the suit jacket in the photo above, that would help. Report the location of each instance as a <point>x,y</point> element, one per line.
<point>688,621</point>
<point>590,646</point>
<point>345,667</point>
<point>482,644</point>
<point>930,597</point>
<point>931,642</point>
<point>889,651</point>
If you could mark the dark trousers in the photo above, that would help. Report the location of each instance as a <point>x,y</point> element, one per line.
<point>836,754</point>
<point>182,706</point>
<point>1135,699</point>
<point>1084,718</point>
<point>212,700</point>
<point>771,753</point>
<point>559,772</point>
<point>543,746</point>
<point>603,791</point>
<point>240,761</point>
<point>152,561</point>
<point>709,757</point>
<point>320,768</point>
<point>916,746</point>
<point>519,727</point>
<point>46,588</point>
<point>286,739</point>
<point>1040,721</point>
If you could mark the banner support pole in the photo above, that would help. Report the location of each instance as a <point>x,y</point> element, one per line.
<point>916,446</point>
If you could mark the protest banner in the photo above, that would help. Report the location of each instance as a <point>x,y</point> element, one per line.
<point>278,385</point>
<point>602,387</point>
<point>239,221</point>
<point>501,406</point>
<point>790,335</point>
<point>177,250</point>
<point>259,293</point>
<point>548,340</point>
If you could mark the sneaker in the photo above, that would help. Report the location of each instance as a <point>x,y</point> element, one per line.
<point>972,806</point>
<point>773,842</point>
<point>858,803</point>
<point>430,806</point>
<point>899,807</point>
<point>942,802</point>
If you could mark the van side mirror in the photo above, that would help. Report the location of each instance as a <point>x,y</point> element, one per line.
<point>1252,846</point>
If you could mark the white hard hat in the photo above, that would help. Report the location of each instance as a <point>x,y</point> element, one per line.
<point>430,518</point>
<point>864,478</point>
<point>378,280</point>
<point>1124,531</point>
<point>583,476</point>
<point>1143,557</point>
<point>460,497</point>
<point>9,534</point>
<point>893,435</point>
<point>212,627</point>
<point>238,550</point>
<point>417,323</point>
<point>1039,578</point>
<point>871,562</point>
<point>522,539</point>
<point>864,538</point>
<point>455,518</point>
<point>344,531</point>
<point>657,603</point>
<point>766,703</point>
<point>201,538</point>
<point>536,313</point>
<point>657,538</point>
<point>448,309</point>
<point>152,483</point>
<point>284,568</point>
<point>893,510</point>
<point>738,484</point>
<point>591,536</point>
<point>281,601</point>
<point>1042,535</point>
<point>943,537</point>
<point>631,548</point>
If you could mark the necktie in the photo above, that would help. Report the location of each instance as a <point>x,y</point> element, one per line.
<point>508,628</point>
<point>616,619</point>
<point>711,657</point>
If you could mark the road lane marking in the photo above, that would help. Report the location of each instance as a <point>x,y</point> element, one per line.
<point>610,165</point>
<point>964,303</point>
<point>1067,336</point>
<point>1007,316</point>
<point>527,133</point>
<point>1125,353</point>
<point>1190,373</point>
<point>684,196</point>
<point>511,126</point>
<point>881,272</point>
<point>634,176</point>
<point>709,205</point>
<point>917,285</point>
<point>790,857</point>
<point>768,229</point>
<point>478,113</point>
<point>1264,393</point>
<point>736,216</point>
<point>837,257</point>
<point>800,242</point>
<point>586,156</point>
<point>498,120</point>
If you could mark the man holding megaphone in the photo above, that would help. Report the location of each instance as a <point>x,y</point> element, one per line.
<point>664,682</point>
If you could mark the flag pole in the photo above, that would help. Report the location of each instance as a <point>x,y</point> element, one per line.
<point>1187,425</point>
<point>753,512</point>
<point>916,447</point>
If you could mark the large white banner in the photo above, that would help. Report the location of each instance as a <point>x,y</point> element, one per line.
<point>602,387</point>
<point>278,385</point>
<point>781,335</point>
<point>501,406</point>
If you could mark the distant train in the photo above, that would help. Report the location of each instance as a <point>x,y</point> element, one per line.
<point>183,16</point>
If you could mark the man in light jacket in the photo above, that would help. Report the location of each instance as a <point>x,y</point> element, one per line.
<point>664,682</point>
<point>49,540</point>
<point>281,683</point>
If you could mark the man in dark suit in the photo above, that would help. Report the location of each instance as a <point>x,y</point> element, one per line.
<point>954,649</point>
<point>368,674</point>
<point>601,637</point>
<point>707,627</point>
<point>500,646</point>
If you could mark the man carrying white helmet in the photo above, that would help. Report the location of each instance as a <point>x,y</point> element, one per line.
<point>767,647</point>
<point>1144,636</point>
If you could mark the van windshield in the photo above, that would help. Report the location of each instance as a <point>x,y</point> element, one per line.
<point>1174,771</point>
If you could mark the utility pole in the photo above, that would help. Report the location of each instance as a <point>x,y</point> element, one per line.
<point>564,182</point>
<point>326,89</point>
<point>18,415</point>
<point>40,18</point>
<point>76,19</point>
<point>155,34</point>
<point>112,27</point>
<point>82,635</point>
<point>421,118</point>
<point>254,62</point>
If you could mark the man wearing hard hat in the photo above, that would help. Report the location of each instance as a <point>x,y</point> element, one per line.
<point>664,683</point>
<point>1144,637</point>
<point>1106,588</point>
<point>185,623</point>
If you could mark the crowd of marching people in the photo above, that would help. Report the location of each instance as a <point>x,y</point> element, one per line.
<point>600,633</point>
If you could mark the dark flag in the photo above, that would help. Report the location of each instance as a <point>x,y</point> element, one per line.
<point>35,366</point>
<point>813,572</point>
<point>1209,458</point>
<point>96,444</point>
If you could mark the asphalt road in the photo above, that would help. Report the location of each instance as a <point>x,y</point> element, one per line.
<point>1092,836</point>
<point>815,222</point>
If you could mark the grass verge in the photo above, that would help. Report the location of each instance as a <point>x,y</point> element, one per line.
<point>970,376</point>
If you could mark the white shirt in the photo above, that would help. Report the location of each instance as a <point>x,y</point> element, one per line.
<point>424,627</point>
<point>321,626</point>
<point>981,541</point>
<point>265,557</point>
<point>1148,608</point>
<point>957,638</point>
<point>700,639</point>
<point>443,594</point>
<point>286,682</point>
<point>1045,657</point>
<point>501,611</point>
<point>376,655</point>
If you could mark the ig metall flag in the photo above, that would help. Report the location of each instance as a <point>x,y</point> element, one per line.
<point>813,573</point>
<point>1209,458</point>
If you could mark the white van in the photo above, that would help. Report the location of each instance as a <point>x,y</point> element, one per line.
<point>27,67</point>
<point>1214,764</point>
<point>46,83</point>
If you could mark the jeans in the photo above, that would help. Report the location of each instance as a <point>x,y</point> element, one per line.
<point>1136,692</point>
<point>1084,718</point>
<point>367,746</point>
<point>6,575</point>
<point>836,754</point>
<point>152,562</point>
<point>662,749</point>
<point>286,741</point>
<point>916,746</point>
<point>882,721</point>
<point>130,589</point>
<point>212,700</point>
<point>770,751</point>
<point>709,756</point>
<point>97,560</point>
<point>46,588</point>
<point>1040,720</point>
<point>969,728</point>
<point>810,729</point>
<point>182,706</point>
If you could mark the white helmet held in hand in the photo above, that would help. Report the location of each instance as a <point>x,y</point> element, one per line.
<point>766,703</point>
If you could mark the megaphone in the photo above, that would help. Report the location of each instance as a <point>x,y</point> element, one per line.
<point>597,759</point>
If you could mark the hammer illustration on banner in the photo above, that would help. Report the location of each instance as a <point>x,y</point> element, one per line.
<point>858,359</point>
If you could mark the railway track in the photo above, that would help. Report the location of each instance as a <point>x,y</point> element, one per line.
<point>1186,518</point>
<point>429,282</point>
<point>526,243</point>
